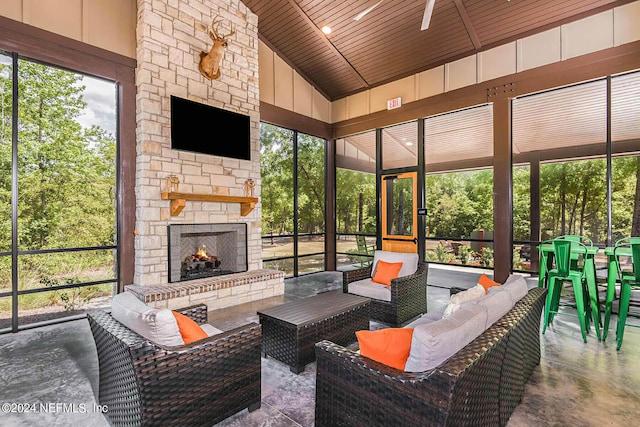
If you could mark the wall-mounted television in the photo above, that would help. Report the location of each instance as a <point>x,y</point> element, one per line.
<point>201,128</point>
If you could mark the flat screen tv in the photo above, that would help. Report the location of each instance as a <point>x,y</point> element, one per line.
<point>200,128</point>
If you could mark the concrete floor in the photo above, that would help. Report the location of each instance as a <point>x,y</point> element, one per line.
<point>575,384</point>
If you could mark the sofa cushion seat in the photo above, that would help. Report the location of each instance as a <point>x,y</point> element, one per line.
<point>370,289</point>
<point>435,342</point>
<point>409,261</point>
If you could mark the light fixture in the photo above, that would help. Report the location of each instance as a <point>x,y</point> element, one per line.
<point>326,29</point>
<point>364,12</point>
<point>408,143</point>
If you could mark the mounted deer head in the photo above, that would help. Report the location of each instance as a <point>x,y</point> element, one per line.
<point>210,62</point>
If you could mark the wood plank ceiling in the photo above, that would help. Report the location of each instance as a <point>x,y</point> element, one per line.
<point>387,43</point>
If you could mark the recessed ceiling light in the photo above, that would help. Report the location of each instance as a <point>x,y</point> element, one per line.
<point>326,29</point>
<point>408,143</point>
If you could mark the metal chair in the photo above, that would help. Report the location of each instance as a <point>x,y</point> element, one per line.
<point>564,272</point>
<point>363,248</point>
<point>628,280</point>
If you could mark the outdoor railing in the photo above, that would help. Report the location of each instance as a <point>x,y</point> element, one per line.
<point>468,252</point>
<point>279,252</point>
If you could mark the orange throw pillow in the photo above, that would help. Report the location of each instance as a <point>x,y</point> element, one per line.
<point>389,346</point>
<point>385,271</point>
<point>189,329</point>
<point>487,283</point>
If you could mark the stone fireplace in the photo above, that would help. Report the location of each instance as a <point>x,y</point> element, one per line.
<point>197,251</point>
<point>171,36</point>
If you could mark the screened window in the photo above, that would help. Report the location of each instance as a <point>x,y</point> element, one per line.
<point>65,251</point>
<point>293,216</point>
<point>459,187</point>
<point>355,200</point>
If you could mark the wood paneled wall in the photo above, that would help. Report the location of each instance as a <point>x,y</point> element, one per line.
<point>107,24</point>
<point>605,30</point>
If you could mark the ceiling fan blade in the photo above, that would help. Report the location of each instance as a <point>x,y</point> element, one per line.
<point>364,12</point>
<point>428,11</point>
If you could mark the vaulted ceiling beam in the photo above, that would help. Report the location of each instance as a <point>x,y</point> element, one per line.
<point>467,23</point>
<point>324,38</point>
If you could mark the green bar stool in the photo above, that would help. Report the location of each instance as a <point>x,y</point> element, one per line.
<point>594,314</point>
<point>557,276</point>
<point>628,281</point>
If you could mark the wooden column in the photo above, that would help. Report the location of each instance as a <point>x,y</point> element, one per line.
<point>127,175</point>
<point>534,208</point>
<point>502,189</point>
<point>330,205</point>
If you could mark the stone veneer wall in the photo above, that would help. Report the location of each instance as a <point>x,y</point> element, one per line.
<point>170,36</point>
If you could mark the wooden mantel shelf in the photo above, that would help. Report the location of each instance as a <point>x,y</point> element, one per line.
<point>179,200</point>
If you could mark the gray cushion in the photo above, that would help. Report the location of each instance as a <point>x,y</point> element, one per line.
<point>429,317</point>
<point>210,330</point>
<point>158,326</point>
<point>409,261</point>
<point>435,342</point>
<point>370,289</point>
<point>497,304</point>
<point>515,285</point>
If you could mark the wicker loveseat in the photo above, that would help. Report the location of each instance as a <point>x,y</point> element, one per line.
<point>479,385</point>
<point>202,383</point>
<point>408,293</point>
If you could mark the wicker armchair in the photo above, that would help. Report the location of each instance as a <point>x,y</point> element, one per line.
<point>408,295</point>
<point>202,383</point>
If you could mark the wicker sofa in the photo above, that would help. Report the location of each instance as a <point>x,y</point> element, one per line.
<point>408,294</point>
<point>142,383</point>
<point>479,385</point>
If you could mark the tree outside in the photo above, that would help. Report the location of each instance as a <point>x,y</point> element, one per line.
<point>66,190</point>
<point>277,173</point>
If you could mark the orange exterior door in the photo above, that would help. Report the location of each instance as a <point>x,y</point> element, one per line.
<point>399,212</point>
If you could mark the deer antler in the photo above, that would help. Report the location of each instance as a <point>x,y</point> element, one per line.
<point>212,32</point>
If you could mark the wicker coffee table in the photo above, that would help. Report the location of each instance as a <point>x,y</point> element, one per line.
<point>290,331</point>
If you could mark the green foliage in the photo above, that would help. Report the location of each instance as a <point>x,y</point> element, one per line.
<point>276,165</point>
<point>355,200</point>
<point>519,263</point>
<point>71,298</point>
<point>486,257</point>
<point>276,168</point>
<point>442,254</point>
<point>400,219</point>
<point>311,214</point>
<point>66,181</point>
<point>465,254</point>
<point>573,199</point>
<point>459,203</point>
<point>521,203</point>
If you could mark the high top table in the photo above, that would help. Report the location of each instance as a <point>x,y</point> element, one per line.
<point>290,331</point>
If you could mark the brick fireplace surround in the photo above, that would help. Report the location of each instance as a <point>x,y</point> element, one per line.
<point>170,36</point>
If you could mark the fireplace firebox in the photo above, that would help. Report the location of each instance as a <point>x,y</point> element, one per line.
<point>204,250</point>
